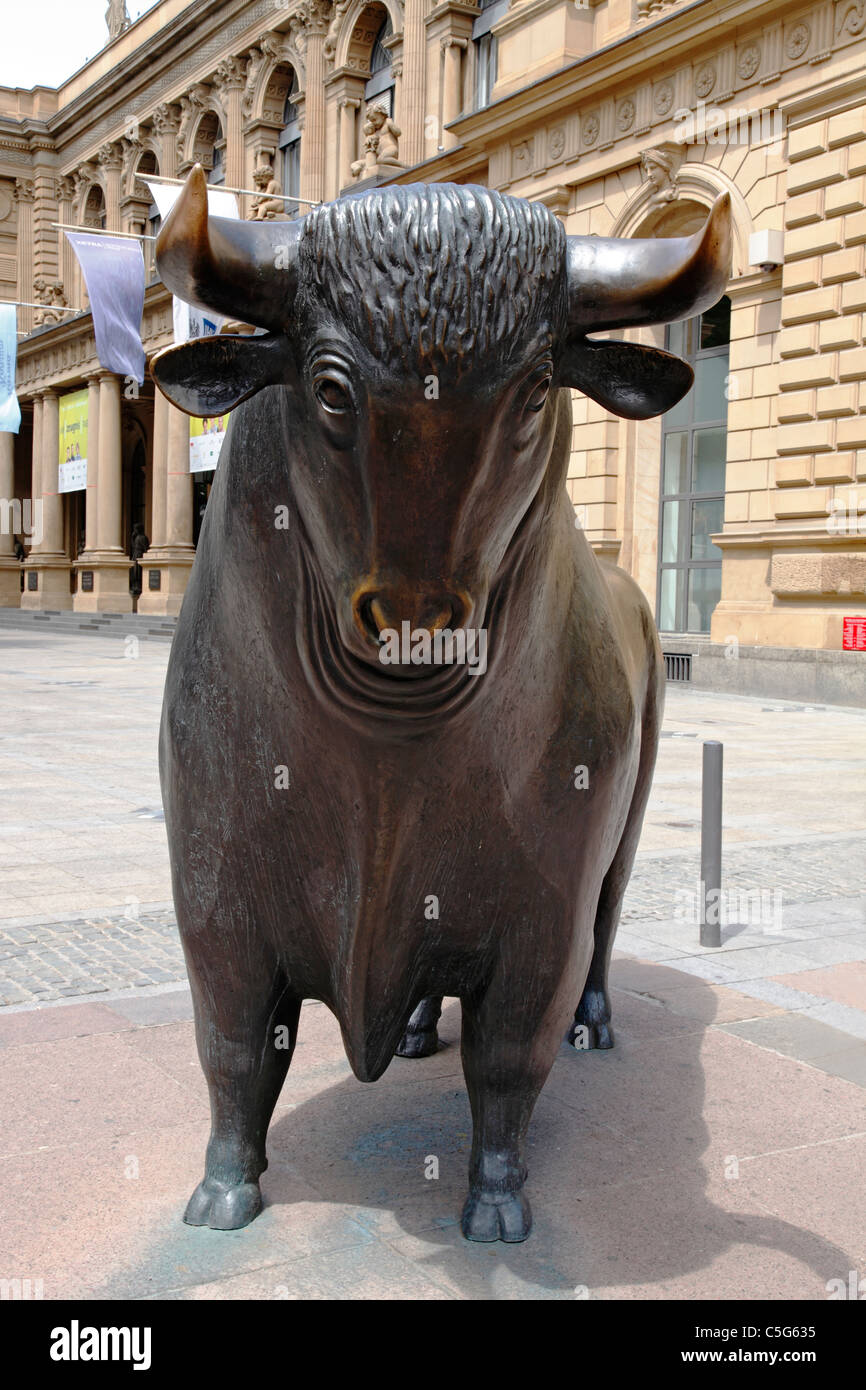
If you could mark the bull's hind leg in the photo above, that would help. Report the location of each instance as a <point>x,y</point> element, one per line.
<point>591,1027</point>
<point>421,1038</point>
<point>246,1028</point>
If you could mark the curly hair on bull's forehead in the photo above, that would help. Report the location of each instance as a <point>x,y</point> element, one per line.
<point>439,272</point>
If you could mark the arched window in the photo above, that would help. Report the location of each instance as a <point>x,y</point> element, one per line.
<point>148,165</point>
<point>694,448</point>
<point>94,207</point>
<point>218,167</point>
<point>380,87</point>
<point>290,144</point>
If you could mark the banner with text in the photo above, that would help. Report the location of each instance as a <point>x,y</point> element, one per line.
<point>114,273</point>
<point>205,441</point>
<point>190,322</point>
<point>72,460</point>
<point>10,410</point>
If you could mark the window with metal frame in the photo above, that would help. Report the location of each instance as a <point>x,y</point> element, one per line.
<point>485,46</point>
<point>290,145</point>
<point>692,491</point>
<point>380,87</point>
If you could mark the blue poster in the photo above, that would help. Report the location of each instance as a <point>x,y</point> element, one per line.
<point>10,410</point>
<point>114,272</point>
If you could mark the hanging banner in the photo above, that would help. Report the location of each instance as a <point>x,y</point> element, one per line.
<point>205,441</point>
<point>190,322</point>
<point>114,273</point>
<point>72,459</point>
<point>165,195</point>
<point>10,410</point>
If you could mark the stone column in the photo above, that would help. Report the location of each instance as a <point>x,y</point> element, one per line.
<point>10,595</point>
<point>230,77</point>
<point>110,157</point>
<point>103,573</point>
<point>411,111</point>
<point>91,535</point>
<point>452,88</point>
<point>66,258</point>
<point>313,138</point>
<point>48,559</point>
<point>166,124</point>
<point>24,195</point>
<point>171,552</point>
<point>31,597</point>
<point>348,144</point>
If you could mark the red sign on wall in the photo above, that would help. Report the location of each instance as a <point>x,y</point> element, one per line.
<point>854,634</point>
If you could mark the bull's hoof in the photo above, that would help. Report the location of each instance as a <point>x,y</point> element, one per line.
<point>223,1208</point>
<point>418,1042</point>
<point>591,1027</point>
<point>589,1037</point>
<point>496,1216</point>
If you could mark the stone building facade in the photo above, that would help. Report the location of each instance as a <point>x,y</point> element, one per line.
<point>742,513</point>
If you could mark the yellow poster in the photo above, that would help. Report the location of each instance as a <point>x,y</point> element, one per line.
<point>72,459</point>
<point>205,441</point>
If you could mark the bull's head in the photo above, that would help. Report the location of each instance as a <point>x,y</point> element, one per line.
<point>418,331</point>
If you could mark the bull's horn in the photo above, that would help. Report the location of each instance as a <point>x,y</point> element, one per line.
<point>622,282</point>
<point>245,270</point>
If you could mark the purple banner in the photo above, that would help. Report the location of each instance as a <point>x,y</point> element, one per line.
<point>114,272</point>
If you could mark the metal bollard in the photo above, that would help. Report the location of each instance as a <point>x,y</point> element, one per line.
<point>711,844</point>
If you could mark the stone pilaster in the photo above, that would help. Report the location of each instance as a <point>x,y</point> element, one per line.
<point>48,559</point>
<point>314,16</point>
<point>411,111</point>
<point>23,196</point>
<point>10,595</point>
<point>229,81</point>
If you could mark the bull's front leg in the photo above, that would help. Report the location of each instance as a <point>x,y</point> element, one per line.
<point>246,1028</point>
<point>510,1041</point>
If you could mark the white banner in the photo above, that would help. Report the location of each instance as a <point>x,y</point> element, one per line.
<point>190,322</point>
<point>165,195</point>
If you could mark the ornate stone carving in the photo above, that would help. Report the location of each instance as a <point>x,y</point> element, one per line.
<point>192,107</point>
<point>266,51</point>
<point>132,150</point>
<point>660,167</point>
<point>166,118</point>
<point>330,47</point>
<point>748,61</point>
<point>50,293</point>
<point>663,97</point>
<point>797,41</point>
<point>266,207</point>
<point>556,143</point>
<point>705,80</point>
<point>110,156</point>
<point>230,75</point>
<point>851,18</point>
<point>625,115</point>
<point>24,191</point>
<point>381,149</point>
<point>64,189</point>
<point>589,128</point>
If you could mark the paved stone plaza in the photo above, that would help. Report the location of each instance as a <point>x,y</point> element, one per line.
<point>717,1151</point>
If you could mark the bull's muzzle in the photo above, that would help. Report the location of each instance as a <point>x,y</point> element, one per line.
<point>378,609</point>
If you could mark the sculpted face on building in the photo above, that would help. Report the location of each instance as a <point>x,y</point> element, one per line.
<point>725,509</point>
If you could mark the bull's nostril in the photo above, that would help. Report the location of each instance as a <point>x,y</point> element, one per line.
<point>368,619</point>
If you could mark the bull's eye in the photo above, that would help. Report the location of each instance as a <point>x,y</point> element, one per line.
<point>538,394</point>
<point>332,395</point>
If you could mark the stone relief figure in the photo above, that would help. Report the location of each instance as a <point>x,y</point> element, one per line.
<point>660,167</point>
<point>330,44</point>
<point>268,206</point>
<point>380,144</point>
<point>117,18</point>
<point>49,293</point>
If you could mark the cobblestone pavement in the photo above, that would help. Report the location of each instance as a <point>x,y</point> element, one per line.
<point>83,859</point>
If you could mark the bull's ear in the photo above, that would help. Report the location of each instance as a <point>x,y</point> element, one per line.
<point>626,378</point>
<point>208,376</point>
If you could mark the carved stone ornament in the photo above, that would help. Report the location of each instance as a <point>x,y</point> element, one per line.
<point>748,61</point>
<point>660,167</point>
<point>110,156</point>
<point>24,191</point>
<point>50,293</point>
<point>663,98</point>
<point>625,115</point>
<point>705,80</point>
<point>267,206</point>
<point>851,19</point>
<point>590,128</point>
<point>381,137</point>
<point>166,118</point>
<point>384,698</point>
<point>556,143</point>
<point>797,41</point>
<point>117,18</point>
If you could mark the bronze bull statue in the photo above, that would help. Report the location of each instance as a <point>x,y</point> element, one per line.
<point>377,833</point>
